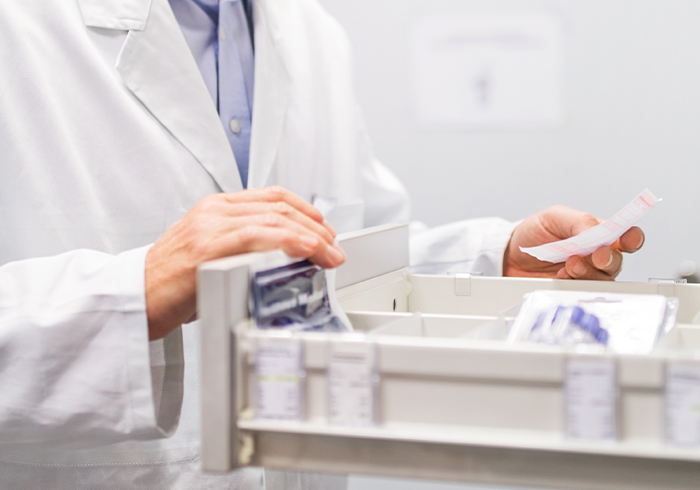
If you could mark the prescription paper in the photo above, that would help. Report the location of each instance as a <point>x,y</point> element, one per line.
<point>604,234</point>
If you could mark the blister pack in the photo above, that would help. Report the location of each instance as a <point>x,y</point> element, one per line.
<point>296,296</point>
<point>625,323</point>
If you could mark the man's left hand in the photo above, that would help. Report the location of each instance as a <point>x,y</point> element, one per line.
<point>558,223</point>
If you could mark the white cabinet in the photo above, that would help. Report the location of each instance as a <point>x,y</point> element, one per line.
<point>452,399</point>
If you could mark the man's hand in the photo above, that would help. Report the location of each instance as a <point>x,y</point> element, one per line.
<point>221,225</point>
<point>559,223</point>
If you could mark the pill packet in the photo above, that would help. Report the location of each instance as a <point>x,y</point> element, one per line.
<point>568,325</point>
<point>624,323</point>
<point>296,296</point>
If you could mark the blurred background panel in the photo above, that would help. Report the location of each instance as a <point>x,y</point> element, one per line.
<point>582,103</point>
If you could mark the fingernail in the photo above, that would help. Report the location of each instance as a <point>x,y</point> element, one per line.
<point>309,241</point>
<point>641,242</point>
<point>579,269</point>
<point>610,261</point>
<point>336,254</point>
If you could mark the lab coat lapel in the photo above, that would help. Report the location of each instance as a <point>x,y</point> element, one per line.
<point>272,90</point>
<point>124,15</point>
<point>157,66</point>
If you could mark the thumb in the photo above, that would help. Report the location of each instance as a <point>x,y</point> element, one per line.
<point>564,222</point>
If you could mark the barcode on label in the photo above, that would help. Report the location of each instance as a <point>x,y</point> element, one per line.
<point>280,378</point>
<point>352,381</point>
<point>591,399</point>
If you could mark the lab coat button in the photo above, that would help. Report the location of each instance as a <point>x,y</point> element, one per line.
<point>235,126</point>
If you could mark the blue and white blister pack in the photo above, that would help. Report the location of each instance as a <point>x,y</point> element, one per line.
<point>624,323</point>
<point>296,297</point>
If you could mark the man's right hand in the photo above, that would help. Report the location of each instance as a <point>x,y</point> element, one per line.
<point>221,225</point>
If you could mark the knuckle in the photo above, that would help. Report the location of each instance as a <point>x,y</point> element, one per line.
<point>197,225</point>
<point>289,239</point>
<point>282,208</point>
<point>271,219</point>
<point>276,192</point>
<point>248,235</point>
<point>199,229</point>
<point>208,204</point>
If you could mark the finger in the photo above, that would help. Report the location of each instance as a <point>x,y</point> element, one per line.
<point>564,222</point>
<point>330,257</point>
<point>580,268</point>
<point>272,220</point>
<point>631,241</point>
<point>256,238</point>
<point>283,209</point>
<point>562,274</point>
<point>280,194</point>
<point>608,260</point>
<point>261,239</point>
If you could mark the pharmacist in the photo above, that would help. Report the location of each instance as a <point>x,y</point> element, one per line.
<point>140,138</point>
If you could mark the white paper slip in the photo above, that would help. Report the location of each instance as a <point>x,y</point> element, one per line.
<point>352,378</point>
<point>280,376</point>
<point>683,404</point>
<point>591,400</point>
<point>588,241</point>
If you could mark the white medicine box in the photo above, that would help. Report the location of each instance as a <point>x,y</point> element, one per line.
<point>428,387</point>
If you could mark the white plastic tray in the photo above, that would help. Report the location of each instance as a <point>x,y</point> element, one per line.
<point>453,403</point>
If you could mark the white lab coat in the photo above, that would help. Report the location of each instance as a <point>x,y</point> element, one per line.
<point>107,137</point>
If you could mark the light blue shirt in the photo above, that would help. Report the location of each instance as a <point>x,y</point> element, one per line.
<point>218,33</point>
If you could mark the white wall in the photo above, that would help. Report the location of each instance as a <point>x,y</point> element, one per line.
<point>632,120</point>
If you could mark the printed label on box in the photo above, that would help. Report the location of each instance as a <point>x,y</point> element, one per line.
<point>683,404</point>
<point>352,379</point>
<point>280,378</point>
<point>591,399</point>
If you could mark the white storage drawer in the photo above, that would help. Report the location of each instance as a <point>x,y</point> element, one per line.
<point>453,400</point>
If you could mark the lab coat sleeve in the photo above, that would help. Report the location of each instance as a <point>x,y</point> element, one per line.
<point>76,365</point>
<point>473,245</point>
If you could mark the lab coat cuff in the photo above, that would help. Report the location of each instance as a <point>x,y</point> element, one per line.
<point>497,241</point>
<point>155,369</point>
